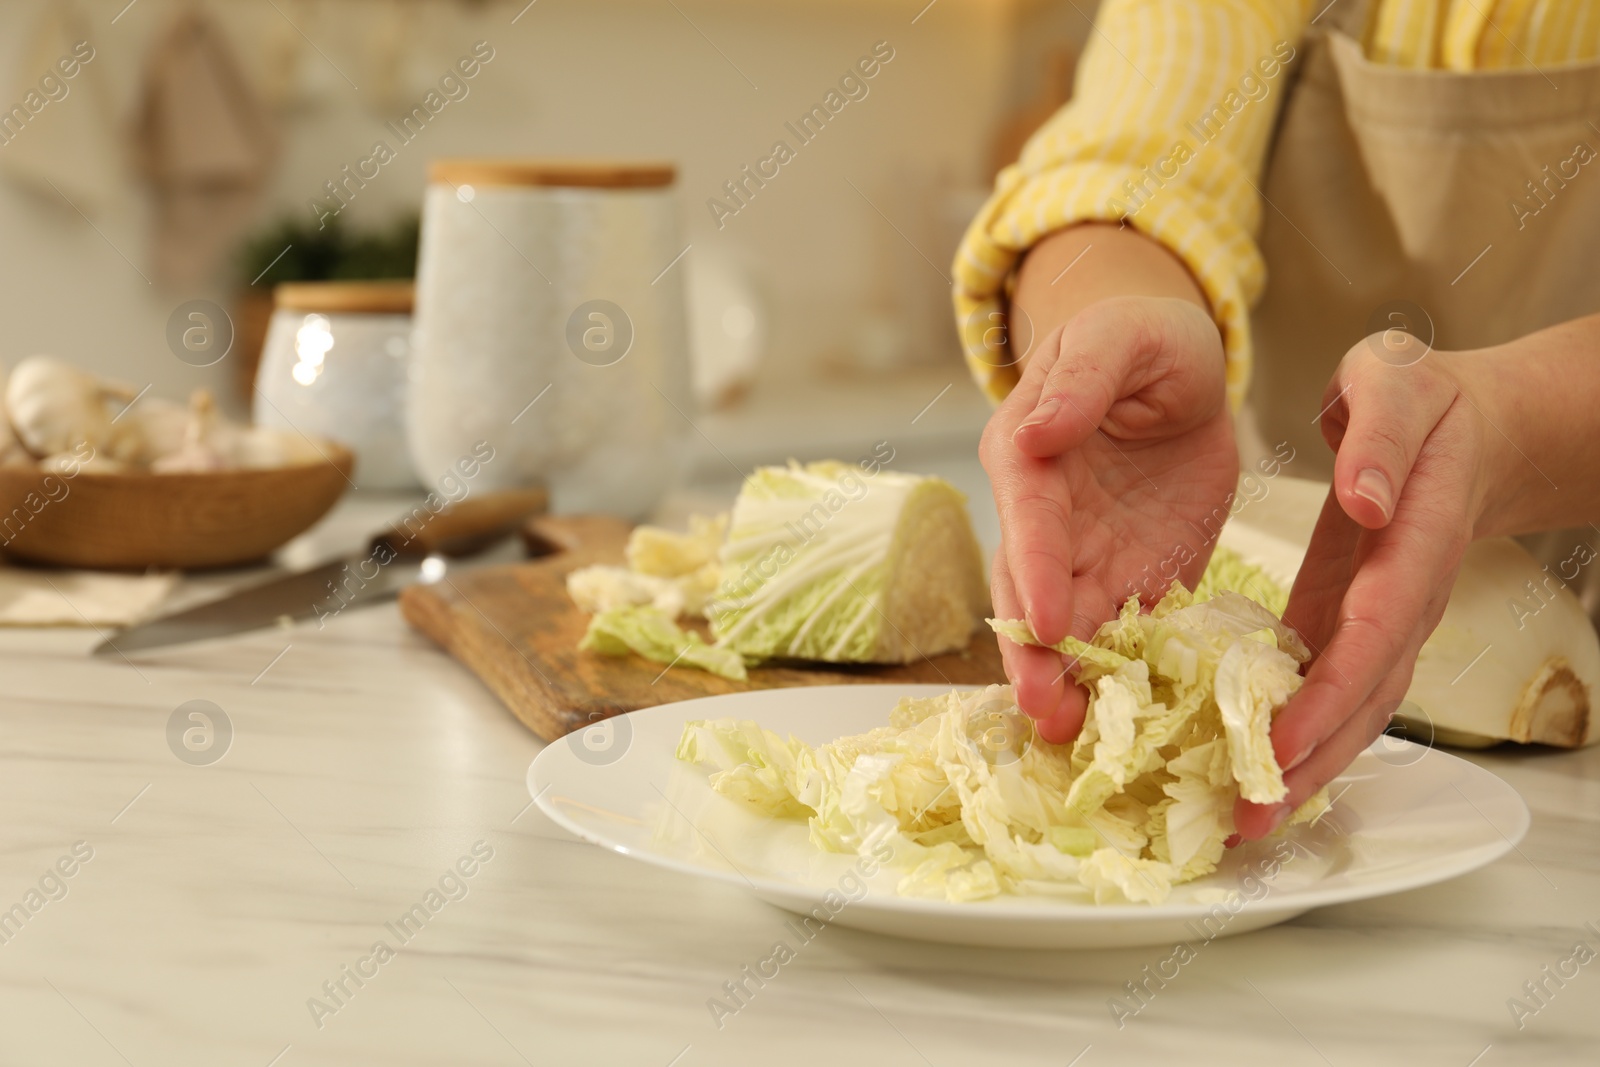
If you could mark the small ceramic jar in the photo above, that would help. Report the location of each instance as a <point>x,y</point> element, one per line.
<point>335,364</point>
<point>550,325</point>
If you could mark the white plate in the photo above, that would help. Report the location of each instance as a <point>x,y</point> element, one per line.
<point>1410,817</point>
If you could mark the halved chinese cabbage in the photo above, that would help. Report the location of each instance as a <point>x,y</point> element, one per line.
<point>825,563</point>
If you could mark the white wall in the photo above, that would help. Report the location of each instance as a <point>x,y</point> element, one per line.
<point>571,77</point>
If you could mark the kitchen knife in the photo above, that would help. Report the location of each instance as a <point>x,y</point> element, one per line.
<point>417,548</point>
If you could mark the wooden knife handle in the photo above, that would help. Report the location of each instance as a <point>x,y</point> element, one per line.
<point>462,528</point>
<point>580,538</point>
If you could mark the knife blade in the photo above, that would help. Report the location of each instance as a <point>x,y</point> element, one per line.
<point>417,548</point>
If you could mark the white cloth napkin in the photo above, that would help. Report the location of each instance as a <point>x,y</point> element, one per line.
<point>31,597</point>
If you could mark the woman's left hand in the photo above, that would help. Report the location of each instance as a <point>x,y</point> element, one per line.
<point>1409,486</point>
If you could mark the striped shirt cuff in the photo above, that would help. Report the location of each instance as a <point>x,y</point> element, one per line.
<point>1028,207</point>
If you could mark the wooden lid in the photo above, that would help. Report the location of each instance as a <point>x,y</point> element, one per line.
<point>377,298</point>
<point>568,173</point>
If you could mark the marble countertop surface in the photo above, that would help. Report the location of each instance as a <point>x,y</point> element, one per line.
<point>211,907</point>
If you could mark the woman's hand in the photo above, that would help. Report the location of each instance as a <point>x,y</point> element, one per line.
<point>1409,488</point>
<point>1112,463</point>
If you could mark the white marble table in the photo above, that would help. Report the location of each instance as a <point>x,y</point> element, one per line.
<point>219,899</point>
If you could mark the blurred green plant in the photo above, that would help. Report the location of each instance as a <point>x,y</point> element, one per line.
<point>330,253</point>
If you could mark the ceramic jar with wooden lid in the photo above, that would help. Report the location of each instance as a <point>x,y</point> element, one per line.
<point>335,364</point>
<point>550,324</point>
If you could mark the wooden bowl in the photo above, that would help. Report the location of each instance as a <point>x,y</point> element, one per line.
<point>138,519</point>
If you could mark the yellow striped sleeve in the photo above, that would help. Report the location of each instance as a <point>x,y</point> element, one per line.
<point>1168,129</point>
<point>1461,34</point>
<point>1407,33</point>
<point>1508,34</point>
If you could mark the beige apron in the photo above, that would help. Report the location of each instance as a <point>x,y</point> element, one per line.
<point>1390,198</point>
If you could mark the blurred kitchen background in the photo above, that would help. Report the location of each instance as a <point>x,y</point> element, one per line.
<point>821,308</point>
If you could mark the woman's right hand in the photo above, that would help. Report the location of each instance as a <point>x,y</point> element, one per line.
<point>1112,462</point>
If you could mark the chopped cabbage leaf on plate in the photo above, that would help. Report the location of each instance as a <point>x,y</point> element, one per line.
<point>972,803</point>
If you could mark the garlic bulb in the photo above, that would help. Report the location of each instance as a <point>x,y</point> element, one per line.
<point>152,428</point>
<point>60,414</point>
<point>11,449</point>
<point>55,406</point>
<point>207,444</point>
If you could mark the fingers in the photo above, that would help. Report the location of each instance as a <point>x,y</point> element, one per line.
<point>1034,501</point>
<point>1073,389</point>
<point>1033,498</point>
<point>1379,417</point>
<point>1073,401</point>
<point>1402,579</point>
<point>1033,671</point>
<point>1024,396</point>
<point>1254,821</point>
<point>1091,606</point>
<point>1324,577</point>
<point>1041,684</point>
<point>1399,576</point>
<point>1372,597</point>
<point>1066,722</point>
<point>1108,357</point>
<point>1390,601</point>
<point>1158,361</point>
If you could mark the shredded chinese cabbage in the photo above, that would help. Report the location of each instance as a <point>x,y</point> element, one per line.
<point>972,803</point>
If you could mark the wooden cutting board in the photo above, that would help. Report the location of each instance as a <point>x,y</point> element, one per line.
<point>515,628</point>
